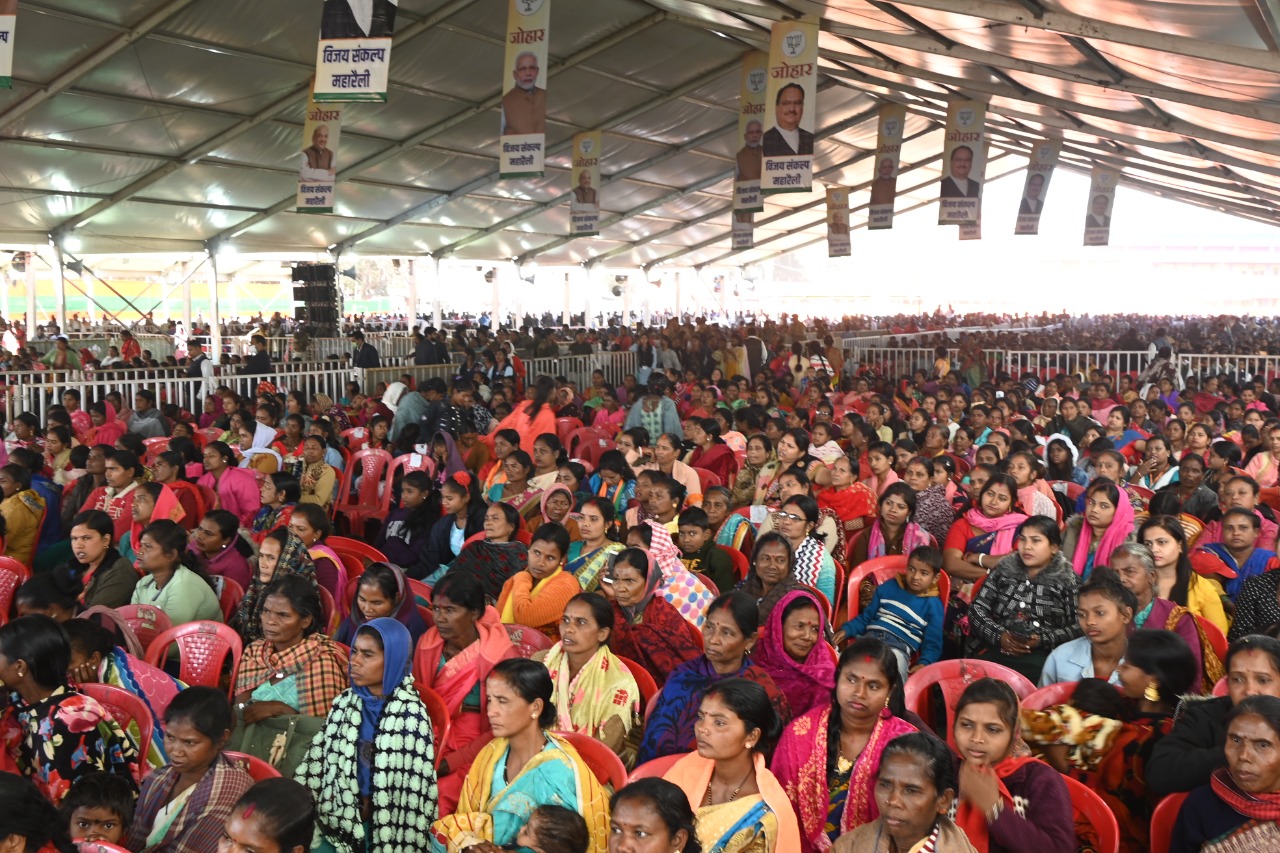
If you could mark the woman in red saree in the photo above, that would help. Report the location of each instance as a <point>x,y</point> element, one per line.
<point>107,427</point>
<point>647,628</point>
<point>454,658</point>
<point>853,502</point>
<point>711,453</point>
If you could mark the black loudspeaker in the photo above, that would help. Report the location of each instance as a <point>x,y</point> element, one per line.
<point>317,301</point>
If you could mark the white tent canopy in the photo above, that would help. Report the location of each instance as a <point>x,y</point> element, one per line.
<point>174,125</point>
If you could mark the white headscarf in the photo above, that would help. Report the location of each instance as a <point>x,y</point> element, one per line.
<point>391,397</point>
<point>263,435</point>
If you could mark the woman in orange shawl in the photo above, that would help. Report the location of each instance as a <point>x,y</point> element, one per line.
<point>531,419</point>
<point>454,658</point>
<point>151,502</point>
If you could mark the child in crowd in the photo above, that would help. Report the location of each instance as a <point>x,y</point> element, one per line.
<point>99,807</point>
<point>906,612</point>
<point>699,552</point>
<point>554,829</point>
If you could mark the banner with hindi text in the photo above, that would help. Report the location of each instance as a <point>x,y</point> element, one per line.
<point>751,111</point>
<point>524,89</point>
<point>884,186</point>
<point>1044,157</point>
<point>964,162</point>
<point>838,244</point>
<point>791,104</point>
<point>318,173</point>
<point>584,205</point>
<point>354,53</point>
<point>1102,196</point>
<point>744,229</point>
<point>8,25</point>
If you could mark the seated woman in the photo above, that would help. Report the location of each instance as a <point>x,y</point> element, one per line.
<point>275,814</point>
<point>256,441</point>
<point>793,650</point>
<point>499,555</point>
<point>319,479</point>
<point>168,470</point>
<point>454,658</point>
<point>53,733</point>
<point>312,525</point>
<point>1237,809</point>
<point>107,577</point>
<point>175,579</point>
<point>280,494</point>
<point>517,492</point>
<point>647,628</point>
<point>557,504</point>
<point>729,529</point>
<point>740,805</point>
<point>1107,522</point>
<point>523,767</point>
<point>22,508</point>
<point>295,669</point>
<point>1061,457</point>
<point>151,502</point>
<point>537,596</point>
<point>894,531</point>
<point>933,512</point>
<point>812,565</point>
<point>915,790</point>
<point>589,556</point>
<point>217,539</point>
<point>383,591</point>
<point>614,481</point>
<point>1027,607</point>
<point>759,468</point>
<point>1176,580</point>
<point>682,588</point>
<point>729,635</point>
<point>1197,498</point>
<point>462,509</point>
<point>280,555</point>
<point>356,767</point>
<point>771,575</point>
<point>1007,804</point>
<point>710,452</point>
<point>656,812</point>
<point>236,488</point>
<point>595,694</point>
<point>828,758</point>
<point>1158,467</point>
<point>1104,610</point>
<point>96,658</point>
<point>29,822</point>
<point>985,533</point>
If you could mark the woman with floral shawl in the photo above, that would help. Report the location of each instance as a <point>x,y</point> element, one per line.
<point>322,405</point>
<point>803,666</point>
<point>293,559</point>
<point>680,587</point>
<point>834,793</point>
<point>357,766</point>
<point>494,809</point>
<point>647,628</point>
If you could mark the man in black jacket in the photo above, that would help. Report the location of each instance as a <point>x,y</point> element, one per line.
<point>258,364</point>
<point>363,355</point>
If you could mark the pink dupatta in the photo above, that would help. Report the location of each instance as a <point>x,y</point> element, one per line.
<point>1003,528</point>
<point>912,537</point>
<point>1119,530</point>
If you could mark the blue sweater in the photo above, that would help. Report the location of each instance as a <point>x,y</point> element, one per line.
<point>915,619</point>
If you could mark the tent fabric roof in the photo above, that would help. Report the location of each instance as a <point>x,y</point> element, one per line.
<point>174,125</point>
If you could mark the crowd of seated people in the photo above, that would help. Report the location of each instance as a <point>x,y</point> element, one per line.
<point>732,580</point>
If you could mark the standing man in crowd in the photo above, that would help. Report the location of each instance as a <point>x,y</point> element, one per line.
<point>363,355</point>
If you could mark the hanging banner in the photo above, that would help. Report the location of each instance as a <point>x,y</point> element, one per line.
<point>318,174</point>
<point>751,111</point>
<point>1044,156</point>
<point>838,222</point>
<point>964,160</point>
<point>970,231</point>
<point>584,206</point>
<point>355,50</point>
<point>744,226</point>
<point>8,24</point>
<point>884,186</point>
<point>1102,195</point>
<point>791,102</point>
<point>524,89</point>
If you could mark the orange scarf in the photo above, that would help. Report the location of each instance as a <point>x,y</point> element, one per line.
<point>974,822</point>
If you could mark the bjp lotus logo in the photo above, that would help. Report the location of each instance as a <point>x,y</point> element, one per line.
<point>528,7</point>
<point>892,128</point>
<point>793,44</point>
<point>965,116</point>
<point>756,79</point>
<point>587,146</point>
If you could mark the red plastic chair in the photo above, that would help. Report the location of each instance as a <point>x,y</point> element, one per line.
<point>522,535</point>
<point>1045,697</point>
<point>372,466</point>
<point>146,620</point>
<point>528,640</point>
<point>439,714</point>
<point>1095,810</point>
<point>656,768</point>
<point>202,649</point>
<point>153,448</point>
<point>741,565</point>
<point>1162,821</point>
<point>405,465</point>
<point>124,708</point>
<point>355,438</point>
<point>952,677</point>
<point>230,593</point>
<point>707,479</point>
<point>210,434</point>
<point>345,545</point>
<point>124,635</point>
<point>328,611</point>
<point>644,680</point>
<point>589,443</point>
<point>12,575</point>
<point>257,769</point>
<point>882,569</point>
<point>421,592</point>
<point>1220,689</point>
<point>602,760</point>
<point>565,427</point>
<point>1217,641</point>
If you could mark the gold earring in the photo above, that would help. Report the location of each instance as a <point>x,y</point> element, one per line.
<point>1152,693</point>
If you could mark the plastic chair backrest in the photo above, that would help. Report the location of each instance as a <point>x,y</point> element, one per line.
<point>1220,688</point>
<point>363,550</point>
<point>1095,810</point>
<point>355,438</point>
<point>257,769</point>
<point>405,465</point>
<point>741,565</point>
<point>952,677</point>
<point>153,447</point>
<point>439,714</point>
<point>124,708</point>
<point>644,680</point>
<point>328,611</point>
<point>1163,818</point>
<point>1049,695</point>
<point>882,568</point>
<point>602,760</point>
<point>146,620</point>
<point>707,479</point>
<point>202,649</point>
<point>370,465</point>
<point>566,427</point>
<point>12,575</point>
<point>581,436</point>
<point>230,593</point>
<point>421,592</point>
<point>211,433</point>
<point>528,640</point>
<point>124,634</point>
<point>656,768</point>
<point>1217,640</point>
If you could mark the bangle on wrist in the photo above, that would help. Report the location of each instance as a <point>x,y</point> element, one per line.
<point>981,565</point>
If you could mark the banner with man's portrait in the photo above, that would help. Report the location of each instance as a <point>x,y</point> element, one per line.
<point>524,89</point>
<point>354,53</point>
<point>1040,165</point>
<point>884,186</point>
<point>584,204</point>
<point>1102,197</point>
<point>8,25</point>
<point>318,173</point>
<point>751,111</point>
<point>791,104</point>
<point>838,222</point>
<point>744,229</point>
<point>964,161</point>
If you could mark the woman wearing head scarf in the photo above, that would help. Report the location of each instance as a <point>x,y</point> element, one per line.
<point>280,554</point>
<point>259,455</point>
<point>679,586</point>
<point>107,426</point>
<point>794,651</point>
<point>647,628</point>
<point>151,502</point>
<point>382,591</point>
<point>448,460</point>
<point>556,510</point>
<point>323,405</point>
<point>356,768</point>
